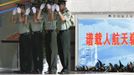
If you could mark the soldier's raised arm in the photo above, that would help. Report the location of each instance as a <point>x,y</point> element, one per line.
<point>26,15</point>
<point>14,18</point>
<point>40,11</point>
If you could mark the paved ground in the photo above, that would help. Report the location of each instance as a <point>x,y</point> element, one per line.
<point>73,73</point>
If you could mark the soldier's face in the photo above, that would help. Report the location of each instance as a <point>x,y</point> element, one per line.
<point>37,9</point>
<point>62,7</point>
<point>22,10</point>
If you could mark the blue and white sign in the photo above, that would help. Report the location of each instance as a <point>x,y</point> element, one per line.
<point>88,55</point>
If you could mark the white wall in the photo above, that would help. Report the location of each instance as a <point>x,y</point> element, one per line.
<point>101,5</point>
<point>8,51</point>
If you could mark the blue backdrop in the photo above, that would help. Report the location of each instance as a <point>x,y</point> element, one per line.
<point>87,56</point>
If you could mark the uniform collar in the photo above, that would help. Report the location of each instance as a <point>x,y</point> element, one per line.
<point>65,10</point>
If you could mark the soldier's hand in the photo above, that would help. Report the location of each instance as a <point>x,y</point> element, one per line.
<point>42,6</point>
<point>53,7</point>
<point>49,6</point>
<point>19,10</point>
<point>34,10</point>
<point>27,11</point>
<point>14,12</point>
<point>57,8</point>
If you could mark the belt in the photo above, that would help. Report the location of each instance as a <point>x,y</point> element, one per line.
<point>23,34</point>
<point>49,30</point>
<point>63,30</point>
<point>37,32</point>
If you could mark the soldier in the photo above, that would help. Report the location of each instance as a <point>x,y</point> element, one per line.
<point>37,51</point>
<point>63,35</point>
<point>24,39</point>
<point>50,37</point>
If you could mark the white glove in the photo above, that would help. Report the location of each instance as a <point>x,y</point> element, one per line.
<point>34,10</point>
<point>49,6</point>
<point>42,6</point>
<point>53,7</point>
<point>57,8</point>
<point>27,11</point>
<point>18,10</point>
<point>14,12</point>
